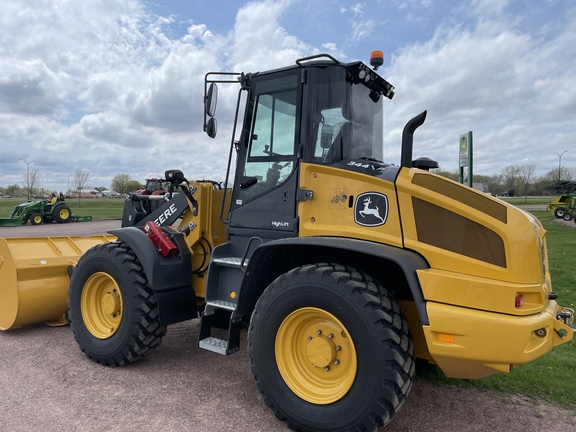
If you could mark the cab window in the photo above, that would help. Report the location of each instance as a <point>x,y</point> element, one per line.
<point>270,153</point>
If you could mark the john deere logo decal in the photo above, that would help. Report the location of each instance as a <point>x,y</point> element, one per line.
<point>371,209</point>
<point>463,144</point>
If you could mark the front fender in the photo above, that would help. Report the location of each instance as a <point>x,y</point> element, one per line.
<point>169,277</point>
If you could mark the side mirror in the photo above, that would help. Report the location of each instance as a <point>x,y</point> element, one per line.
<point>211,100</point>
<point>212,127</point>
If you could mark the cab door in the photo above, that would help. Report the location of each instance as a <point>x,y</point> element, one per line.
<point>266,183</point>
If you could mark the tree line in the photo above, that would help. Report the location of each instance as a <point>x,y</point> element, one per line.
<point>32,184</point>
<point>521,178</point>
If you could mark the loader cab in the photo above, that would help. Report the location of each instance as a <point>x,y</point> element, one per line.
<point>319,111</point>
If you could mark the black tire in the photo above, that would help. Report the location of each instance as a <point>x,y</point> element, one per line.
<point>36,219</point>
<point>134,316</point>
<point>559,212</point>
<point>375,331</point>
<point>62,213</point>
<point>48,219</point>
<point>567,217</point>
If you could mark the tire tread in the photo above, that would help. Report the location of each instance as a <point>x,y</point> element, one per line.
<point>146,333</point>
<point>389,324</point>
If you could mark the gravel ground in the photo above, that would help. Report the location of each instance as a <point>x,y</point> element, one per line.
<point>49,385</point>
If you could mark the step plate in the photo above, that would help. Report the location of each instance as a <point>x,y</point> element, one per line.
<point>230,261</point>
<point>213,344</point>
<point>221,304</point>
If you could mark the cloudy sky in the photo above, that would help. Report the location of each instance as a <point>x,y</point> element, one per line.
<point>116,86</point>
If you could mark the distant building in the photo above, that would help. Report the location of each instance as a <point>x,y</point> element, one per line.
<point>482,187</point>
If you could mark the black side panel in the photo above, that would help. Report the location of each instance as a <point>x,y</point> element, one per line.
<point>135,213</point>
<point>169,277</point>
<point>274,211</point>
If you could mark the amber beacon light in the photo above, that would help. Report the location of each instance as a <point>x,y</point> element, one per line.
<point>376,59</point>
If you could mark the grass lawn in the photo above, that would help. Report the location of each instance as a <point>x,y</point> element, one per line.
<point>98,208</point>
<point>553,376</point>
<point>529,200</point>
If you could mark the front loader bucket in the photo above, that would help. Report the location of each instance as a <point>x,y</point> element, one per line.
<point>76,218</point>
<point>34,279</point>
<point>10,222</point>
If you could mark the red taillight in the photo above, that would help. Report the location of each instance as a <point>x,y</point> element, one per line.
<point>519,300</point>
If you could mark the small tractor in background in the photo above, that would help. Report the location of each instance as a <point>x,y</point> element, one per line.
<point>564,206</point>
<point>346,269</point>
<point>38,212</point>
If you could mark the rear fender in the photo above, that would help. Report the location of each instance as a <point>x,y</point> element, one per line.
<point>169,277</point>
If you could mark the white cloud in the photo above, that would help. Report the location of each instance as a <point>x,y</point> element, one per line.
<point>357,10</point>
<point>489,8</point>
<point>111,89</point>
<point>513,90</point>
<point>30,87</point>
<point>268,47</point>
<point>134,90</point>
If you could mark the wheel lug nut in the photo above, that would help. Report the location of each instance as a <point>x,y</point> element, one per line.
<point>309,339</point>
<point>336,361</point>
<point>330,336</point>
<point>338,348</point>
<point>327,368</point>
<point>319,332</point>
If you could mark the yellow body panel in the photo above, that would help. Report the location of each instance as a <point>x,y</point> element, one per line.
<point>485,343</point>
<point>520,233</point>
<point>331,211</point>
<point>34,280</point>
<point>208,226</point>
<point>480,293</point>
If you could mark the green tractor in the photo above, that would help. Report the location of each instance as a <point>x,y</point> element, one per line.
<point>37,212</point>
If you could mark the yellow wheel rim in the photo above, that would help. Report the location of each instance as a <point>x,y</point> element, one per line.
<point>101,305</point>
<point>316,356</point>
<point>64,213</point>
<point>37,220</point>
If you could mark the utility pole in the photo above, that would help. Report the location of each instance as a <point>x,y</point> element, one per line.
<point>559,162</point>
<point>27,176</point>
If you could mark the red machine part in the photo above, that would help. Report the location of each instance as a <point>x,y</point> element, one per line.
<point>159,239</point>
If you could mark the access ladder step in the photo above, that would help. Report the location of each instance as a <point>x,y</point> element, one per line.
<point>230,261</point>
<point>221,304</point>
<point>213,344</point>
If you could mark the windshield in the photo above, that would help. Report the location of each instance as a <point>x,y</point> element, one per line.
<point>347,123</point>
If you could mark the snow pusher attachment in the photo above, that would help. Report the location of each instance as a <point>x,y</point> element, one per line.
<point>34,277</point>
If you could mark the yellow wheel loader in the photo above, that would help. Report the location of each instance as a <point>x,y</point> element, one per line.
<point>345,268</point>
